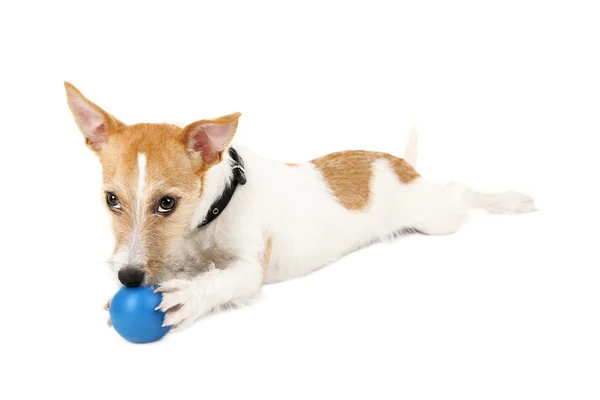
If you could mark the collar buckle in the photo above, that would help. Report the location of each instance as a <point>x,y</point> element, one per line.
<point>239,174</point>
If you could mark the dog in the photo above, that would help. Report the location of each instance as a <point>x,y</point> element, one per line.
<point>208,222</point>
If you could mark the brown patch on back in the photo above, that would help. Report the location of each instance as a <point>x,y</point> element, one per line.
<point>291,164</point>
<point>403,169</point>
<point>348,174</point>
<point>266,257</point>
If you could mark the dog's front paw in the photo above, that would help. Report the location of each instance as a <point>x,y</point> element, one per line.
<point>181,303</point>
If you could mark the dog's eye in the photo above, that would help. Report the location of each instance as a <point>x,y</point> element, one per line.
<point>113,201</point>
<point>166,205</point>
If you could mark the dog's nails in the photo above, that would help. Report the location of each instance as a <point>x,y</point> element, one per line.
<point>175,308</point>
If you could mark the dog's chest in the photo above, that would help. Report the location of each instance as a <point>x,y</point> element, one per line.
<point>199,250</point>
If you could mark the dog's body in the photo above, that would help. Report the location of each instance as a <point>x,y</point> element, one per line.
<point>285,221</point>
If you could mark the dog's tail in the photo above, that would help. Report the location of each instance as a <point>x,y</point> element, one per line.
<point>411,151</point>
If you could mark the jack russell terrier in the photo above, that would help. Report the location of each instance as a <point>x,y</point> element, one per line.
<point>208,223</point>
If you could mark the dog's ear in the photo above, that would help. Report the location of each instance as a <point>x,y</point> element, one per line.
<point>206,140</point>
<point>95,123</point>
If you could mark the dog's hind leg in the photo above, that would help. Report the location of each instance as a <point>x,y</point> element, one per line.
<point>436,209</point>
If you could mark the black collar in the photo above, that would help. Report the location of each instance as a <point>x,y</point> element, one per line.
<point>239,177</point>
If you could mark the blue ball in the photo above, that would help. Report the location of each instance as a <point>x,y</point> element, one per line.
<point>133,315</point>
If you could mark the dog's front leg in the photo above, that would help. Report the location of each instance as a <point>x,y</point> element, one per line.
<point>186,300</point>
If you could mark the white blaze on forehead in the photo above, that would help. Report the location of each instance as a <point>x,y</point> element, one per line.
<point>135,241</point>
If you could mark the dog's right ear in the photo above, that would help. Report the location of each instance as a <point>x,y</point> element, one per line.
<point>95,123</point>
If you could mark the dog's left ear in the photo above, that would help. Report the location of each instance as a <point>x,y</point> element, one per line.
<point>207,140</point>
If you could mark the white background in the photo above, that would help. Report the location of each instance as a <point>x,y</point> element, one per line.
<point>505,95</point>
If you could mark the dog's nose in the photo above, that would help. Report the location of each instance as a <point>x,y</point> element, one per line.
<point>131,276</point>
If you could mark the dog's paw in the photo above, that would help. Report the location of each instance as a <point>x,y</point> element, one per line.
<point>107,307</point>
<point>181,303</point>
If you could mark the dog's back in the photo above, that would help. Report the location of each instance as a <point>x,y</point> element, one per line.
<point>316,212</point>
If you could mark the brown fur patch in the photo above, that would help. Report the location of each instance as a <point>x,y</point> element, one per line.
<point>266,257</point>
<point>405,172</point>
<point>291,164</point>
<point>348,174</point>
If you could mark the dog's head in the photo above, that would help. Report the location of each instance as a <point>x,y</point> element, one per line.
<point>153,177</point>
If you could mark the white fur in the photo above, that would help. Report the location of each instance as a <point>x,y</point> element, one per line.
<point>308,226</point>
<point>118,259</point>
